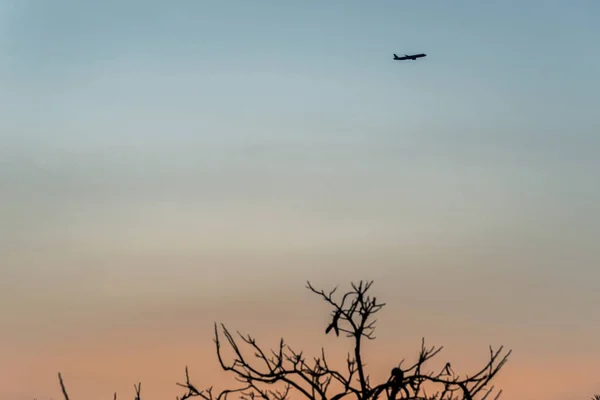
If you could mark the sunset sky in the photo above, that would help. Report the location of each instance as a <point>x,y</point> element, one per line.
<point>165,165</point>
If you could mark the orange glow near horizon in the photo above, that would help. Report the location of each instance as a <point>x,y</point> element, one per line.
<point>98,360</point>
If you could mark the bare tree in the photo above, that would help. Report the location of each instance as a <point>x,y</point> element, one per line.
<point>286,373</point>
<point>276,374</point>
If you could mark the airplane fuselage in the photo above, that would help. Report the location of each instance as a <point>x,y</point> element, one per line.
<point>409,57</point>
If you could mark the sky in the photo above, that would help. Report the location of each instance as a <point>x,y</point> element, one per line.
<point>165,165</point>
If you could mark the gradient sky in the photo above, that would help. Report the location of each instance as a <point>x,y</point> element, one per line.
<point>167,164</point>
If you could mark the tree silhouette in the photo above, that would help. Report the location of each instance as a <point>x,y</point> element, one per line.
<point>286,373</point>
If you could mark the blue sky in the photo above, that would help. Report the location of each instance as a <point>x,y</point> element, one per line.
<point>505,84</point>
<point>504,65</point>
<point>247,135</point>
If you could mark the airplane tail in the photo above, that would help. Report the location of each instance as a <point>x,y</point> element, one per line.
<point>396,56</point>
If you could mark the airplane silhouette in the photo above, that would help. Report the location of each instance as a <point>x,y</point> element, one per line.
<point>407,57</point>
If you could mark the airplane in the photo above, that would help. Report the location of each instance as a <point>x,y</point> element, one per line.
<point>407,57</point>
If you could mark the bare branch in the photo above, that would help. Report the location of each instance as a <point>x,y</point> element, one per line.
<point>62,386</point>
<point>138,391</point>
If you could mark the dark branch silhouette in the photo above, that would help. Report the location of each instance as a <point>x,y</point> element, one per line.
<point>285,373</point>
<point>62,386</point>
